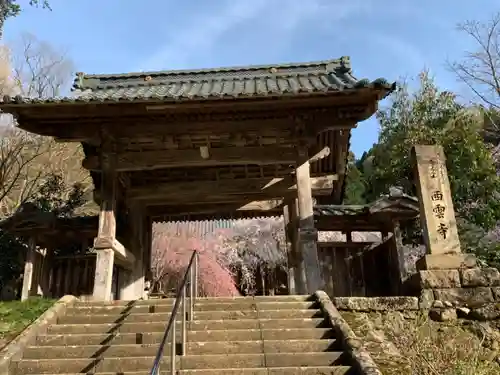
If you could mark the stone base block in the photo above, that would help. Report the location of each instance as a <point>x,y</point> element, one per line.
<point>443,315</point>
<point>496,293</point>
<point>446,261</point>
<point>487,312</point>
<point>437,279</point>
<point>426,299</point>
<point>465,296</point>
<point>480,277</point>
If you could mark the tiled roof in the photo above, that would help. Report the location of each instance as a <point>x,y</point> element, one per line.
<point>237,82</point>
<point>395,201</point>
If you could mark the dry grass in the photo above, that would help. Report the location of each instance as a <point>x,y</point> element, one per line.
<point>411,344</point>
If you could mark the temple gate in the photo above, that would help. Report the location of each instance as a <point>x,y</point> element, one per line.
<point>207,144</point>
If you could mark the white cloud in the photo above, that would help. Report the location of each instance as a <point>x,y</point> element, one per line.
<point>283,18</point>
<point>403,51</point>
<point>202,32</point>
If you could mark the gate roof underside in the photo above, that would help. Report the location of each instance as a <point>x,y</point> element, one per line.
<point>212,140</point>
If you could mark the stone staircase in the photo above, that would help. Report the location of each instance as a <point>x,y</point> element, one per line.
<point>283,335</point>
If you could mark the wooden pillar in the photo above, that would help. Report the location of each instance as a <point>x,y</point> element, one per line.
<point>307,234</point>
<point>297,261</point>
<point>290,260</point>
<point>107,229</point>
<point>398,241</point>
<point>146,259</point>
<point>45,268</point>
<point>134,279</point>
<point>29,267</point>
<point>347,256</point>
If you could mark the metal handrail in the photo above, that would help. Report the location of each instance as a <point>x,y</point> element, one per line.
<point>192,272</point>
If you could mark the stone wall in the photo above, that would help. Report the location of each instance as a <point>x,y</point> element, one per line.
<point>475,302</point>
<point>470,287</point>
<point>468,292</point>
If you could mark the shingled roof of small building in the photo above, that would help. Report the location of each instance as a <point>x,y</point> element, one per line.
<point>218,83</point>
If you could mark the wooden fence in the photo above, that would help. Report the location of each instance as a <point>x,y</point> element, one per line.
<point>358,269</point>
<point>72,275</point>
<point>75,275</point>
<point>348,269</point>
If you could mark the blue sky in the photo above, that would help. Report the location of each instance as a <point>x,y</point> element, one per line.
<point>384,38</point>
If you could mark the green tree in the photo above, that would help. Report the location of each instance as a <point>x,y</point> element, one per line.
<point>52,197</point>
<point>355,188</point>
<point>431,116</point>
<point>12,8</point>
<point>55,197</point>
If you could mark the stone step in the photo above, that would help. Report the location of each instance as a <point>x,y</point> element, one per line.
<point>188,362</point>
<point>195,325</point>
<point>149,350</point>
<point>199,306</point>
<point>193,336</point>
<point>323,370</point>
<point>166,301</point>
<point>317,370</point>
<point>198,315</point>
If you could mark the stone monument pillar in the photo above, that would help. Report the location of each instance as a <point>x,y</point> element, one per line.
<point>437,215</point>
<point>445,273</point>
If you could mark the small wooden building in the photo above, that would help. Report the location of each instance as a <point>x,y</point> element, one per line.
<point>206,143</point>
<point>371,266</point>
<point>59,259</point>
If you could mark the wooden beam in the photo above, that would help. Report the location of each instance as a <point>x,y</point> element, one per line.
<point>318,153</point>
<point>123,254</point>
<point>191,209</point>
<point>348,245</point>
<point>263,187</point>
<point>149,160</point>
<point>133,121</point>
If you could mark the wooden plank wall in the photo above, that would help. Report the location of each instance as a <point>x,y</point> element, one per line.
<point>350,272</point>
<point>72,275</point>
<point>75,275</point>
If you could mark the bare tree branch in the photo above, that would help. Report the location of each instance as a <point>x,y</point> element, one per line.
<point>26,160</point>
<point>480,69</point>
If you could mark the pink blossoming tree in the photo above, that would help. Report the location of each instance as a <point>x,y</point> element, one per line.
<point>171,252</point>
